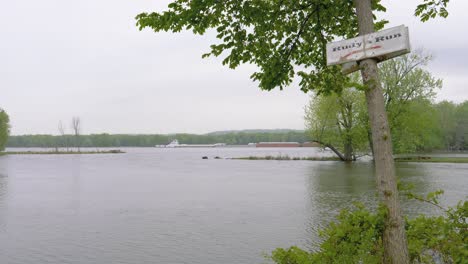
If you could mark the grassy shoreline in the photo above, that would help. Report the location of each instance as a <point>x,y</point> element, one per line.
<point>288,158</point>
<point>112,151</point>
<point>399,159</point>
<point>433,159</point>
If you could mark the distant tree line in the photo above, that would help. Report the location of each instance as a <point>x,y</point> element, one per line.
<point>125,140</point>
<point>452,125</point>
<point>4,128</point>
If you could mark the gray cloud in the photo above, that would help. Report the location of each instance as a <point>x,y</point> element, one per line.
<point>87,58</point>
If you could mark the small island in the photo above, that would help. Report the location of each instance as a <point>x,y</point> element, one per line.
<point>60,152</point>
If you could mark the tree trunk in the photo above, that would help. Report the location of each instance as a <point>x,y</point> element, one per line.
<point>369,137</point>
<point>348,149</point>
<point>77,142</point>
<point>394,237</point>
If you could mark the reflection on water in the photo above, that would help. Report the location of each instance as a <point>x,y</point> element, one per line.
<point>332,186</point>
<point>3,192</point>
<point>429,177</point>
<point>170,206</point>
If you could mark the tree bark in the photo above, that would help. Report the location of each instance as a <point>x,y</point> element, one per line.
<point>76,126</point>
<point>371,145</point>
<point>348,149</point>
<point>394,237</point>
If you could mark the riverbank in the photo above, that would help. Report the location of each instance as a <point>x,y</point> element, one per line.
<point>433,159</point>
<point>399,159</point>
<point>112,151</point>
<point>288,158</point>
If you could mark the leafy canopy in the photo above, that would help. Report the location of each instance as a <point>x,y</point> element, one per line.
<point>431,9</point>
<point>409,91</point>
<point>339,120</point>
<point>285,39</point>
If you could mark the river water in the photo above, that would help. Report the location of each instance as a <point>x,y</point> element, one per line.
<point>170,206</point>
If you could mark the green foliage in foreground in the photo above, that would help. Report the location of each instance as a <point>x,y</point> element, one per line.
<point>356,237</point>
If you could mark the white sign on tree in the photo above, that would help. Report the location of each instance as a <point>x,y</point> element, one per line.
<point>382,45</point>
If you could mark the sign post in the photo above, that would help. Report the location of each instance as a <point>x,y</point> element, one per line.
<point>366,51</point>
<point>382,45</point>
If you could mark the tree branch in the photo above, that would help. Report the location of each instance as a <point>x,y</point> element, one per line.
<point>299,34</point>
<point>336,151</point>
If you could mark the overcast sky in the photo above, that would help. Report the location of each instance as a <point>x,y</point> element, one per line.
<point>63,58</point>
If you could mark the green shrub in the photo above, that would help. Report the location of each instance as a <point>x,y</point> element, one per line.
<point>447,235</point>
<point>356,237</point>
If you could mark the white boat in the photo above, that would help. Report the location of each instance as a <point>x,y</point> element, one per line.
<point>175,144</point>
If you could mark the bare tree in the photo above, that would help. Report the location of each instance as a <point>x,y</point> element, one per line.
<point>61,130</point>
<point>76,126</point>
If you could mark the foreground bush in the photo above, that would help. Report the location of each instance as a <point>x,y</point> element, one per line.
<point>356,237</point>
